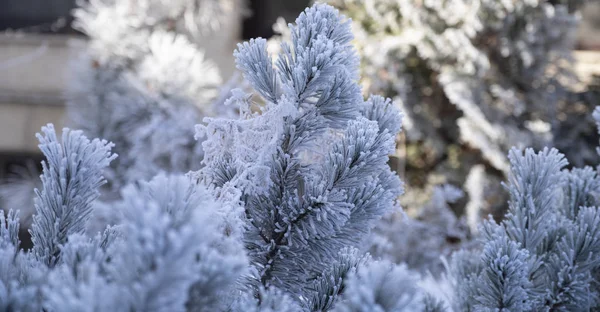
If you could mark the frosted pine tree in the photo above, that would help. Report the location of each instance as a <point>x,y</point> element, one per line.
<point>309,167</point>
<point>144,80</point>
<point>70,181</point>
<point>544,255</point>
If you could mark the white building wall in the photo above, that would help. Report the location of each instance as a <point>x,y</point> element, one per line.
<point>33,75</point>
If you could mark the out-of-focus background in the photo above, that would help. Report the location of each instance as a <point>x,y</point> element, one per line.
<point>37,41</point>
<point>588,42</point>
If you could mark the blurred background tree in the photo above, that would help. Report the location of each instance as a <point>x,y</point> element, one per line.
<point>474,78</point>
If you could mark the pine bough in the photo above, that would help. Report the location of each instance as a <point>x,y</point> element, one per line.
<point>274,220</point>
<point>310,168</point>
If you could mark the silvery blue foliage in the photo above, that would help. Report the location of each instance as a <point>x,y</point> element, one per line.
<point>504,277</point>
<point>421,240</point>
<point>20,278</point>
<point>9,229</point>
<point>175,248</point>
<point>381,286</point>
<point>79,283</point>
<point>169,254</point>
<point>544,256</point>
<point>18,272</point>
<point>72,174</point>
<point>264,300</point>
<point>331,283</point>
<point>310,167</point>
<point>71,177</point>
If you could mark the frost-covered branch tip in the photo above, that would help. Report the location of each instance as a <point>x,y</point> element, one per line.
<point>72,174</point>
<point>320,149</point>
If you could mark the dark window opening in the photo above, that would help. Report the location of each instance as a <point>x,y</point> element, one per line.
<point>12,163</point>
<point>37,16</point>
<point>264,13</point>
<point>14,167</point>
